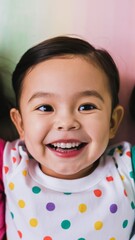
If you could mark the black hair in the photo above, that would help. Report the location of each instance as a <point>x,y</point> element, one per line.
<point>132,104</point>
<point>62,46</point>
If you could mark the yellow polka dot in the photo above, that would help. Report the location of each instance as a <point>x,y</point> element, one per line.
<point>33,222</point>
<point>122,178</point>
<point>24,172</point>
<point>21,203</point>
<point>119,151</point>
<point>98,225</point>
<point>112,238</point>
<point>82,207</point>
<point>11,186</point>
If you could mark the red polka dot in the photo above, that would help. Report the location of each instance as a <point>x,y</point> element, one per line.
<point>14,149</point>
<point>125,193</point>
<point>19,233</point>
<point>109,178</point>
<point>6,169</point>
<point>98,192</point>
<point>14,159</point>
<point>128,154</point>
<point>47,238</point>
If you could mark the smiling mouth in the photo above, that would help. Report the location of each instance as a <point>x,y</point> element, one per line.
<point>66,147</point>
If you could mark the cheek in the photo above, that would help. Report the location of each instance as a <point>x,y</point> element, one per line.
<point>34,125</point>
<point>98,128</point>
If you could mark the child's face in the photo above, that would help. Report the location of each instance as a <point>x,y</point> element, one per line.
<point>65,116</point>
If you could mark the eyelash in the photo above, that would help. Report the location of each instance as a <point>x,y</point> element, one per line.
<point>45,108</point>
<point>82,108</point>
<point>87,107</point>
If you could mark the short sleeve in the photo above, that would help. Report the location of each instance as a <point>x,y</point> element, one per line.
<point>121,154</point>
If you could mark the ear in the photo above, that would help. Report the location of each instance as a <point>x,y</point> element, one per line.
<point>18,122</point>
<point>116,118</point>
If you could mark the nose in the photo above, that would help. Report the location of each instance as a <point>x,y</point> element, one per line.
<point>67,123</point>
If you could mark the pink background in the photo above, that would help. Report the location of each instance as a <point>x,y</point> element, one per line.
<point>107,24</point>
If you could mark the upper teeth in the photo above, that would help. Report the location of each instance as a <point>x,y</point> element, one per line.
<point>66,145</point>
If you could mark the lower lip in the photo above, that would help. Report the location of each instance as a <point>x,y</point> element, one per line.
<point>68,154</point>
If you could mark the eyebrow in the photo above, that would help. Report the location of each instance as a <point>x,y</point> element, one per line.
<point>40,95</point>
<point>91,93</point>
<point>86,93</point>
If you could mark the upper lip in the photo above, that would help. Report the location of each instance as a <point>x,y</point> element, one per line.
<point>66,141</point>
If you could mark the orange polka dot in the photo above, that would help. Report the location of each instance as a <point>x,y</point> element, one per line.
<point>98,192</point>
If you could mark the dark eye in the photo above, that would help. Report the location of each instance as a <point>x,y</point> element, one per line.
<point>87,107</point>
<point>45,108</point>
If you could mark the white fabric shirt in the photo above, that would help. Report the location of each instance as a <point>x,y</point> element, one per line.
<point>100,206</point>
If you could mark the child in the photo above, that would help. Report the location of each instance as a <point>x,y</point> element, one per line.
<point>61,179</point>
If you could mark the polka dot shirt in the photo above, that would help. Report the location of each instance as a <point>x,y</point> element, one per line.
<point>40,207</point>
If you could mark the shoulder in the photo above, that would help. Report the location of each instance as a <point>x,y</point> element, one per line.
<point>121,152</point>
<point>122,148</point>
<point>11,156</point>
<point>121,155</point>
<point>13,147</point>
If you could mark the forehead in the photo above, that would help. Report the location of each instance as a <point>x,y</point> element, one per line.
<point>67,73</point>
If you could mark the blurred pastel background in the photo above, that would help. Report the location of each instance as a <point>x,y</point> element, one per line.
<point>108,24</point>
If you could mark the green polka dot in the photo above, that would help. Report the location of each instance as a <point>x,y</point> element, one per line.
<point>81,239</point>
<point>132,205</point>
<point>36,189</point>
<point>125,223</point>
<point>131,174</point>
<point>65,224</point>
<point>12,215</point>
<point>67,193</point>
<point>111,152</point>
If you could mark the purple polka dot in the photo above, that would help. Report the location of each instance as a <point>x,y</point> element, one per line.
<point>50,206</point>
<point>113,208</point>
